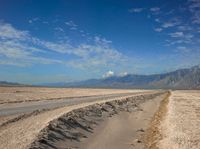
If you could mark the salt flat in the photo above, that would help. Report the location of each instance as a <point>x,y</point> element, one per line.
<point>180,128</point>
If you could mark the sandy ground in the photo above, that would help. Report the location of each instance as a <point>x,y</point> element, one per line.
<point>21,133</point>
<point>24,94</point>
<point>180,128</point>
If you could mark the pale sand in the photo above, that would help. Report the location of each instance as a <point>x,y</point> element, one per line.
<point>24,94</point>
<point>180,128</point>
<point>20,134</point>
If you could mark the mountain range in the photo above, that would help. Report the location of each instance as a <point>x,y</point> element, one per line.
<point>5,83</point>
<point>180,79</point>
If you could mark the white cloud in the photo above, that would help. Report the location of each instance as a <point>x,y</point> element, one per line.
<point>180,38</point>
<point>173,22</point>
<point>108,74</point>
<point>97,55</point>
<point>158,29</point>
<point>33,20</point>
<point>175,42</point>
<point>72,25</point>
<point>157,20</point>
<point>17,48</point>
<point>169,24</point>
<point>8,32</point>
<point>59,29</point>
<point>20,48</point>
<point>184,28</point>
<point>12,49</point>
<point>183,49</point>
<point>102,41</point>
<point>194,8</point>
<point>30,21</point>
<point>170,12</point>
<point>135,10</point>
<point>123,74</point>
<point>21,54</point>
<point>188,36</point>
<point>154,9</point>
<point>56,47</point>
<point>45,22</point>
<point>176,34</point>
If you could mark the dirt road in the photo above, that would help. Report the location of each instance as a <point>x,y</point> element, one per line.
<point>27,107</point>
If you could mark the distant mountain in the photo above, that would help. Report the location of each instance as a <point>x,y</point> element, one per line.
<point>179,79</point>
<point>5,83</point>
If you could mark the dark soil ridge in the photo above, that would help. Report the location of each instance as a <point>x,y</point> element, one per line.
<point>76,125</point>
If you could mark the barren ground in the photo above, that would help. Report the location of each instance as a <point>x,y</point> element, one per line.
<point>180,128</point>
<point>122,119</point>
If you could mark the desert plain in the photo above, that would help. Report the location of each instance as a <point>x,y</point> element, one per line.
<point>69,118</point>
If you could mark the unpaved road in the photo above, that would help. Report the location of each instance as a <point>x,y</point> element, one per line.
<point>27,107</point>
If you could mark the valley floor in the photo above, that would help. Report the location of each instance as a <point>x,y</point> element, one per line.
<point>140,120</point>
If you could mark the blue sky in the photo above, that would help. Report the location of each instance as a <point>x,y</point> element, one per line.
<point>61,41</point>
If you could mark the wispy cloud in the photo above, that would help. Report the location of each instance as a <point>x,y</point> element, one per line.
<point>157,20</point>
<point>59,29</point>
<point>194,8</point>
<point>155,9</point>
<point>16,49</point>
<point>170,12</point>
<point>180,31</point>
<point>183,49</point>
<point>171,23</point>
<point>99,54</point>
<point>33,20</point>
<point>177,42</point>
<point>184,28</point>
<point>72,25</point>
<point>176,34</point>
<point>135,10</point>
<point>8,32</point>
<point>20,48</point>
<point>158,29</point>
